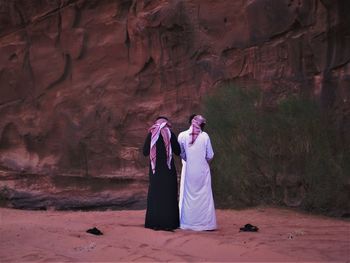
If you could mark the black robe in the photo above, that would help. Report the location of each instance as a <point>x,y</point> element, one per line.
<point>162,203</point>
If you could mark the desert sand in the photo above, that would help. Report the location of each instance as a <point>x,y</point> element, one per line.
<point>60,236</point>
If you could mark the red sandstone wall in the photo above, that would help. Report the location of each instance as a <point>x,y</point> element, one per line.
<point>81,80</point>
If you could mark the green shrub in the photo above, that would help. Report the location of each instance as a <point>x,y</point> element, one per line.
<point>285,155</point>
<point>3,196</point>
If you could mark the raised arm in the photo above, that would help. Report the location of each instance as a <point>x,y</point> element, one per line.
<point>147,145</point>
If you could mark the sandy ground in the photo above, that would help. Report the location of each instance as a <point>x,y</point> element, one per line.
<point>284,236</point>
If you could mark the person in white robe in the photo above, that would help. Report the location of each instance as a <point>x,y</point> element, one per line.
<point>196,197</point>
<point>182,177</point>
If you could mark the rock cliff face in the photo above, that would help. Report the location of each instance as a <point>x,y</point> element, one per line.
<point>82,80</point>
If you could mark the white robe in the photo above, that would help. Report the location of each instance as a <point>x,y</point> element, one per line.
<point>196,204</point>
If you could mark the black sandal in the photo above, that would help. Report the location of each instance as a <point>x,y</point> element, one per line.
<point>94,231</point>
<point>249,228</point>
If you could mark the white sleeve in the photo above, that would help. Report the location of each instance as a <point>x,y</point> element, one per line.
<point>182,146</point>
<point>209,150</point>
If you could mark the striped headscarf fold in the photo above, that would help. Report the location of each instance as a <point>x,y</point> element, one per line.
<point>161,126</point>
<point>196,129</point>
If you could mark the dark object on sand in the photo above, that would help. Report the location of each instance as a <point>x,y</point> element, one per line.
<point>249,228</point>
<point>94,231</point>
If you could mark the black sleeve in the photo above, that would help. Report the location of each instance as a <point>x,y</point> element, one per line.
<point>175,144</point>
<point>147,145</point>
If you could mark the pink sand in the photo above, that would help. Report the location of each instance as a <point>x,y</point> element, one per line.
<point>284,236</point>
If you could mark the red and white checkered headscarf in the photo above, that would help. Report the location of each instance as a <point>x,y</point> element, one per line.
<point>196,129</point>
<point>161,126</point>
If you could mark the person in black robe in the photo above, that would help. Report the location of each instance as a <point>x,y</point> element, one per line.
<point>162,202</point>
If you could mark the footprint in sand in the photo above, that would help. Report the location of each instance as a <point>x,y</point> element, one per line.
<point>88,247</point>
<point>32,257</point>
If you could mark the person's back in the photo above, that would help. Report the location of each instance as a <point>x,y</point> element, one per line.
<point>197,153</point>
<point>197,205</point>
<point>162,206</point>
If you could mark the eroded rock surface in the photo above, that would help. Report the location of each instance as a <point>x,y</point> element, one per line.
<point>82,80</point>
